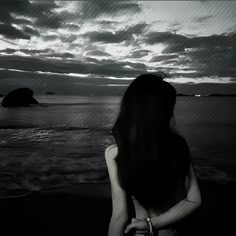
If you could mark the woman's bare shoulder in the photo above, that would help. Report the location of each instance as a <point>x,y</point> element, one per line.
<point>111,151</point>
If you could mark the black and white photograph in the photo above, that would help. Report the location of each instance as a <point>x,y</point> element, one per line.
<point>117,118</point>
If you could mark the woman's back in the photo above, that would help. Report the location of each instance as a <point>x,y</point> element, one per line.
<point>168,187</point>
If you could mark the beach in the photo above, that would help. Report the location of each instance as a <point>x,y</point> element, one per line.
<point>85,209</point>
<point>54,178</point>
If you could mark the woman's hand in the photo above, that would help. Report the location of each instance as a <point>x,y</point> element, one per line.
<point>140,227</point>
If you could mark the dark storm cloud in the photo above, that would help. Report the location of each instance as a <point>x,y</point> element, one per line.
<point>214,41</point>
<point>178,43</point>
<point>24,7</point>
<point>215,61</point>
<point>5,16</point>
<point>20,21</point>
<point>12,11</point>
<point>174,42</point>
<point>136,29</point>
<point>14,6</point>
<point>211,55</point>
<point>11,32</point>
<point>94,9</point>
<point>49,21</point>
<point>103,67</point>
<point>164,37</point>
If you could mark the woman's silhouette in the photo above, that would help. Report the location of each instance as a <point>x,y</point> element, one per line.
<point>150,170</point>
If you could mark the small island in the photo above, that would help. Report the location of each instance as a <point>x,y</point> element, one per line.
<point>50,93</point>
<point>184,95</point>
<point>209,95</point>
<point>221,95</point>
<point>20,97</point>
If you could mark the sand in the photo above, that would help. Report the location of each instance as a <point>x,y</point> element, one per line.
<point>85,209</point>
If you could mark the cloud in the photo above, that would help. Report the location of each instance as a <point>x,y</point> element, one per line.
<point>14,6</point>
<point>103,68</point>
<point>27,51</point>
<point>174,42</point>
<point>174,27</point>
<point>24,7</point>
<point>164,37</point>
<point>68,38</point>
<point>209,56</point>
<point>71,26</point>
<point>178,43</point>
<point>5,16</point>
<point>214,61</point>
<point>42,12</point>
<point>136,29</point>
<point>108,22</point>
<point>139,53</point>
<point>163,58</point>
<point>21,21</point>
<point>213,41</point>
<point>27,13</point>
<point>49,21</point>
<point>60,55</point>
<point>50,37</point>
<point>97,53</point>
<point>11,32</point>
<point>109,37</point>
<point>202,19</point>
<point>94,9</point>
<point>31,31</point>
<point>119,36</point>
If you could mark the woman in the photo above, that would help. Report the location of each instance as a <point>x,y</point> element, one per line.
<point>152,178</point>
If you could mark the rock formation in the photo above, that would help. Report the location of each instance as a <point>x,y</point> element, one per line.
<point>19,98</point>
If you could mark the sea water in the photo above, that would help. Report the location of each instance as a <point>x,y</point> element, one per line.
<point>63,141</point>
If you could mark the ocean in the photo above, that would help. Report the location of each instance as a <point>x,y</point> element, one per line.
<point>63,141</point>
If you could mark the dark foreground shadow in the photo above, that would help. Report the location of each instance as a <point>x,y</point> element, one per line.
<point>86,209</point>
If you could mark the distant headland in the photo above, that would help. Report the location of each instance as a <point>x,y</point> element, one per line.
<point>209,95</point>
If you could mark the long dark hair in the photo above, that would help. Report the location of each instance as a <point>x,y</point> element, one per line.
<point>143,135</point>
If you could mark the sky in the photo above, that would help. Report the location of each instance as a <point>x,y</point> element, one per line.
<point>97,45</point>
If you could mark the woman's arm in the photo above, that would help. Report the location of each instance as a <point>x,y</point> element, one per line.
<point>182,208</point>
<point>119,218</point>
<point>178,211</point>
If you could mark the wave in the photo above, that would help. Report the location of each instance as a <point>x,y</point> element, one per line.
<point>55,128</point>
<point>56,181</point>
